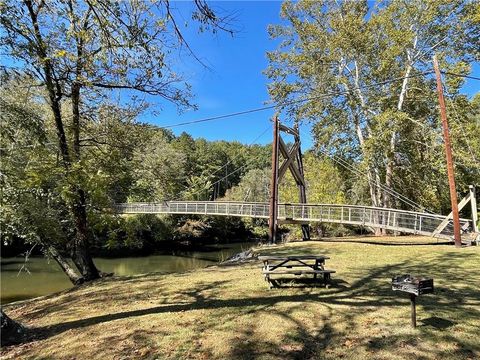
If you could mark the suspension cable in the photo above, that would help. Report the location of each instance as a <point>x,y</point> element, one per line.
<point>385,188</point>
<point>226,164</point>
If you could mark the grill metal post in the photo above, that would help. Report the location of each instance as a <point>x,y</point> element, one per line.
<point>414,286</point>
<point>413,310</point>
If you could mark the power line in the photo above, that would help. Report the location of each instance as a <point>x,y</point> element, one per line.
<point>440,138</point>
<point>226,176</point>
<point>282,104</point>
<point>459,122</point>
<point>226,164</point>
<point>460,75</point>
<point>235,157</point>
<point>385,188</point>
<point>218,117</point>
<point>238,154</point>
<point>293,102</point>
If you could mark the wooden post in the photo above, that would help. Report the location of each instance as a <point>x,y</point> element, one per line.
<point>292,161</point>
<point>301,189</point>
<point>272,229</point>
<point>473,203</point>
<point>448,153</point>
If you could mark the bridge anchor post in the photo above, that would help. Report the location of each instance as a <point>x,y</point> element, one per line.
<point>292,160</point>
<point>272,223</point>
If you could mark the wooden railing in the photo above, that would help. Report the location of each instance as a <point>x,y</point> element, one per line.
<point>390,219</point>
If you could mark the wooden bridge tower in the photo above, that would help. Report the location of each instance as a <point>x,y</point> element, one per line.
<point>292,160</point>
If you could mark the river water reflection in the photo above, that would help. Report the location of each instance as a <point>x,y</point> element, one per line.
<point>43,277</point>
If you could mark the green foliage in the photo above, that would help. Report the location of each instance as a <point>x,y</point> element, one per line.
<point>159,169</point>
<point>121,160</point>
<point>254,187</point>
<point>77,52</point>
<point>140,232</point>
<point>324,186</point>
<point>342,56</point>
<point>32,183</point>
<point>219,166</point>
<point>324,183</point>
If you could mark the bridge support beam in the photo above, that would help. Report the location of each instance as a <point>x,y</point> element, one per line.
<point>473,203</point>
<point>272,223</point>
<point>302,194</point>
<point>471,197</point>
<point>292,160</point>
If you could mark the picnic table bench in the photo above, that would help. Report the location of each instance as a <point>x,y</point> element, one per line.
<point>295,265</point>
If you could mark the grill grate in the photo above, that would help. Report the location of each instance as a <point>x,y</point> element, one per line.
<point>412,285</point>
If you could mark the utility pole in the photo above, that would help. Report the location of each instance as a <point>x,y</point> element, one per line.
<point>448,153</point>
<point>272,229</point>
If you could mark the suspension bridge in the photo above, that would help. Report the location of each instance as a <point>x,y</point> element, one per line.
<point>304,213</point>
<point>409,222</point>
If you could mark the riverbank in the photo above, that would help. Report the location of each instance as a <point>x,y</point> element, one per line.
<point>227,312</point>
<point>39,276</point>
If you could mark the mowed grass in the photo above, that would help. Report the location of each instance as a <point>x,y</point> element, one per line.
<point>227,312</point>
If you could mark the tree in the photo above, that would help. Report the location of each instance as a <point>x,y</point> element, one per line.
<point>186,145</point>
<point>76,51</point>
<point>324,185</point>
<point>253,187</point>
<point>32,208</point>
<point>11,331</point>
<point>341,57</point>
<point>159,170</point>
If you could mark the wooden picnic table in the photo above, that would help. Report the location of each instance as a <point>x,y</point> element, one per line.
<point>295,265</point>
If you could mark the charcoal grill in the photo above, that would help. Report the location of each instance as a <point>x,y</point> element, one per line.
<point>414,286</point>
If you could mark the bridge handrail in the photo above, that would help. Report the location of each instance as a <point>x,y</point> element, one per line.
<point>167,203</point>
<point>391,219</point>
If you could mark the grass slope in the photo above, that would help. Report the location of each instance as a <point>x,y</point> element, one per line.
<point>227,312</point>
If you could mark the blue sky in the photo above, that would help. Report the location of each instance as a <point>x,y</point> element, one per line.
<point>235,81</point>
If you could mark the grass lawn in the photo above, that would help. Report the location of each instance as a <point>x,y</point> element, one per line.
<point>227,312</point>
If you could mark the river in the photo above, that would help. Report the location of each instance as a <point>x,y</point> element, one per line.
<point>39,276</point>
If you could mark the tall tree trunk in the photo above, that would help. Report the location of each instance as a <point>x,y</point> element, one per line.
<point>67,269</point>
<point>81,252</point>
<point>372,173</point>
<point>81,249</point>
<point>11,331</point>
<point>372,176</point>
<point>81,256</point>
<point>389,168</point>
<point>379,231</point>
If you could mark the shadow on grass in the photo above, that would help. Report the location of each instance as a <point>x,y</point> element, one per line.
<point>300,344</point>
<point>415,346</point>
<point>368,292</point>
<point>437,322</point>
<point>307,282</point>
<point>386,243</point>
